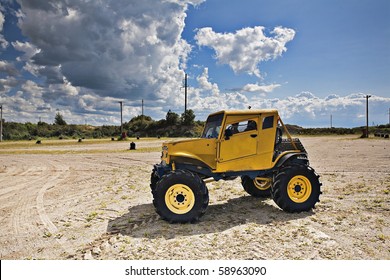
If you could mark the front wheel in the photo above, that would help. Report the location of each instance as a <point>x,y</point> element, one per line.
<point>154,178</point>
<point>180,197</point>
<point>296,188</point>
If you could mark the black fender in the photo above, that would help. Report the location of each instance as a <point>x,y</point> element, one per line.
<point>296,157</point>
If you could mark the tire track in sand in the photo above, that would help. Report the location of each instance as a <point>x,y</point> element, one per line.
<point>28,215</point>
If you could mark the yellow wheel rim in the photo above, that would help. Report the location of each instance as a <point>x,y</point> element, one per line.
<point>299,189</point>
<point>262,183</point>
<point>180,199</point>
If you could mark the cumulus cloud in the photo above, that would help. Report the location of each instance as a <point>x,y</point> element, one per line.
<point>259,88</point>
<point>207,97</point>
<point>117,48</point>
<point>8,74</point>
<point>3,43</point>
<point>26,48</point>
<point>247,47</point>
<point>307,109</point>
<point>8,68</point>
<point>7,84</point>
<point>88,55</point>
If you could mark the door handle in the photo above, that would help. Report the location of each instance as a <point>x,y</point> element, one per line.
<point>253,135</point>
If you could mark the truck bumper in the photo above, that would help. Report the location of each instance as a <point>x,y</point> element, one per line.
<point>161,168</point>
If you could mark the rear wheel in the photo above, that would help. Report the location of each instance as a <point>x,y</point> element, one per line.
<point>180,196</point>
<point>258,187</point>
<point>296,188</point>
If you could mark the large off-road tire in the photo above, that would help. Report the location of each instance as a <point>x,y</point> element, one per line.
<point>154,178</point>
<point>296,188</point>
<point>258,187</point>
<point>180,197</point>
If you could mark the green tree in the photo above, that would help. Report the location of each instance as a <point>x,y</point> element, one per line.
<point>172,118</point>
<point>59,120</point>
<point>188,117</point>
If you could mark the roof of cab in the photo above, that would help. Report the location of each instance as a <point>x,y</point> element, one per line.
<point>246,112</point>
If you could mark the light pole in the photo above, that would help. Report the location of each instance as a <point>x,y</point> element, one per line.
<point>367,96</point>
<point>121,103</point>
<point>142,112</point>
<point>331,121</point>
<point>1,123</point>
<point>389,116</point>
<point>185,94</point>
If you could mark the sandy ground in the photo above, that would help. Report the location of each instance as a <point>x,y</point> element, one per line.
<point>92,201</point>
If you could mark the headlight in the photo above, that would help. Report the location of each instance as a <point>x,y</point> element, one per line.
<point>164,153</point>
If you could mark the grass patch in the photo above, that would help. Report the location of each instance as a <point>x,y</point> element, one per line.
<point>92,216</point>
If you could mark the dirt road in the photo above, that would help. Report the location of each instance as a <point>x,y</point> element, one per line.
<point>92,201</point>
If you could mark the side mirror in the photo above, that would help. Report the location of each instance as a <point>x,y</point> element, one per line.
<point>228,133</point>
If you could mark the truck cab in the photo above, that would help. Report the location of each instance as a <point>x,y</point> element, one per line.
<point>232,141</point>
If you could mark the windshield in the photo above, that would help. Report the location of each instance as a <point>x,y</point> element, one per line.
<point>213,126</point>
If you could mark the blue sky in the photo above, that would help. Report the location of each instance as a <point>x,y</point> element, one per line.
<point>308,59</point>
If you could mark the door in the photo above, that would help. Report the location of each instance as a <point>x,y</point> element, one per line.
<point>241,139</point>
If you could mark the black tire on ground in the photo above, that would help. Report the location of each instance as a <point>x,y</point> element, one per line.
<point>154,178</point>
<point>296,188</point>
<point>254,188</point>
<point>180,197</point>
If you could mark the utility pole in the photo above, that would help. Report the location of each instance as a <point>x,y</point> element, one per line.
<point>142,108</point>
<point>142,112</point>
<point>185,93</point>
<point>331,124</point>
<point>389,116</point>
<point>1,124</point>
<point>121,104</point>
<point>367,96</point>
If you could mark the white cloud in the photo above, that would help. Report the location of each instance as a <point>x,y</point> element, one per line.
<point>118,48</point>
<point>207,97</point>
<point>307,109</point>
<point>1,19</point>
<point>27,48</point>
<point>247,47</point>
<point>7,84</point>
<point>8,74</point>
<point>93,54</point>
<point>3,43</point>
<point>259,88</point>
<point>8,68</point>
<point>205,84</point>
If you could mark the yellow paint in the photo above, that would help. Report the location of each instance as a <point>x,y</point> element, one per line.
<point>247,150</point>
<point>262,183</point>
<point>179,199</point>
<point>299,189</point>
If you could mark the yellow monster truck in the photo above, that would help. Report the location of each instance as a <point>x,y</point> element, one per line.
<point>247,144</point>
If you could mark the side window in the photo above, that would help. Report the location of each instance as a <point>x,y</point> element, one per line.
<point>242,126</point>
<point>268,122</point>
